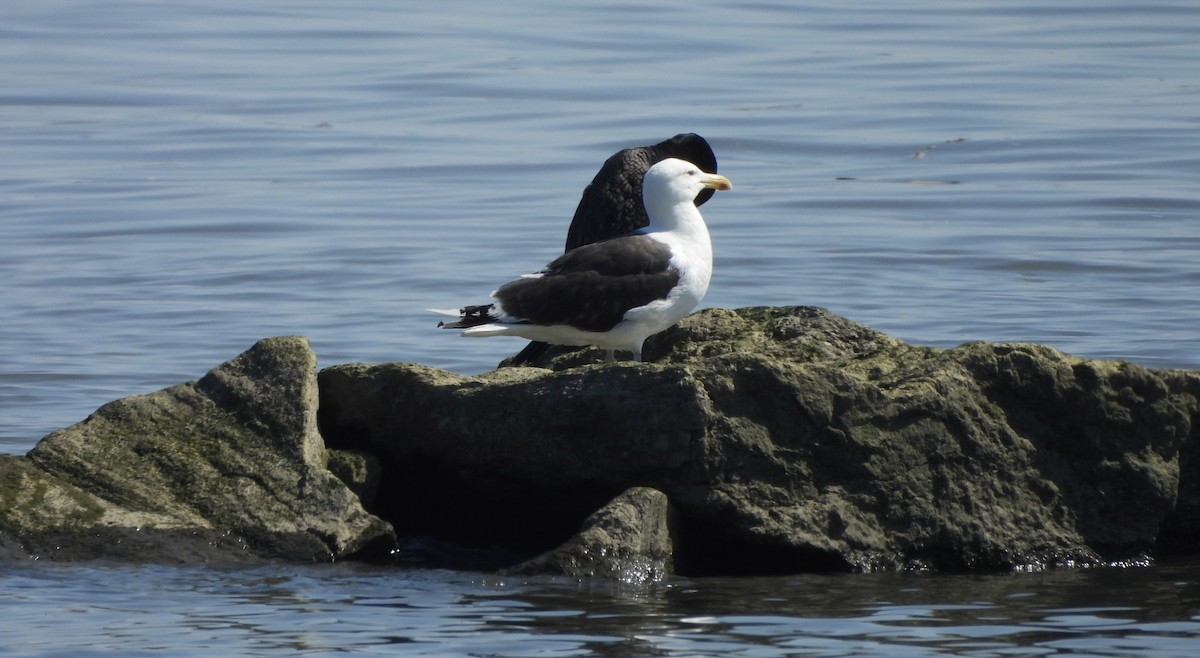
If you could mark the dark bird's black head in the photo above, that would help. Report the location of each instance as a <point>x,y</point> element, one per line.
<point>612,204</point>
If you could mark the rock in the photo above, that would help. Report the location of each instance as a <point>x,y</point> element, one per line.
<point>755,441</point>
<point>358,470</point>
<point>1180,531</point>
<point>629,539</point>
<point>788,440</point>
<point>230,467</point>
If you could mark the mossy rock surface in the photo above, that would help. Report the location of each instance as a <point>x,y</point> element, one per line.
<point>230,467</point>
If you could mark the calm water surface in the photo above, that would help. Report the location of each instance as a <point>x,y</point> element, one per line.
<point>133,611</point>
<point>181,179</point>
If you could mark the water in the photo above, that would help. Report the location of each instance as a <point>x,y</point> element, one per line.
<point>134,611</point>
<point>181,179</point>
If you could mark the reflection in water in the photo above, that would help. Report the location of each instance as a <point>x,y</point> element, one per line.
<point>1150,612</point>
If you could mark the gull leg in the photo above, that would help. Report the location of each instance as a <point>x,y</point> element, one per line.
<point>610,356</point>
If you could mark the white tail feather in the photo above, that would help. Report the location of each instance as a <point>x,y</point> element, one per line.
<point>450,312</point>
<point>485,330</point>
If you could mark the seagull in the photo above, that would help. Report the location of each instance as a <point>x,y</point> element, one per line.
<point>617,292</point>
<point>611,205</point>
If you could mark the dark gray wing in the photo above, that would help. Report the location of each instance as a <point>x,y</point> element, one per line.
<point>592,287</point>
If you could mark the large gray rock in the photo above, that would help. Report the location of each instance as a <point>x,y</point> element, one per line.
<point>789,439</point>
<point>755,441</point>
<point>230,467</point>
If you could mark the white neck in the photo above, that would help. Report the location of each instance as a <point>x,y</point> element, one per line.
<point>666,213</point>
<point>682,224</point>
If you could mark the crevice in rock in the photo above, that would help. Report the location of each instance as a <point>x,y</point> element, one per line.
<point>444,521</point>
<point>704,550</point>
<point>422,497</point>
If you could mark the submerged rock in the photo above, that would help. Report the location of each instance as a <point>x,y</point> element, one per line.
<point>229,467</point>
<point>788,439</point>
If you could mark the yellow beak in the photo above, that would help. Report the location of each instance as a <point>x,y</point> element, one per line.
<point>717,182</point>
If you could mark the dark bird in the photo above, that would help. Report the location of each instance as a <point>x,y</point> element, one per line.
<point>612,206</point>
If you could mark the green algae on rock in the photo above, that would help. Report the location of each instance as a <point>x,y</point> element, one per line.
<point>224,468</point>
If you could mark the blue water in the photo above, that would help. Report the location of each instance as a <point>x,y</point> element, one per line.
<point>316,611</point>
<point>181,179</point>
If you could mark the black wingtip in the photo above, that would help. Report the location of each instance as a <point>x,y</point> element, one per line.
<point>472,316</point>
